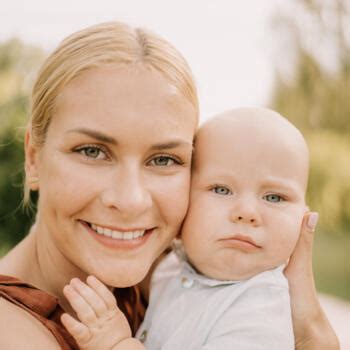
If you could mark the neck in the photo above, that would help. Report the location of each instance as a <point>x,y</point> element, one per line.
<point>37,261</point>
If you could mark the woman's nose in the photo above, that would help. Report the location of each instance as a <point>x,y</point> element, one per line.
<point>128,194</point>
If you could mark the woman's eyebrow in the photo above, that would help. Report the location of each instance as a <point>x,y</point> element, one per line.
<point>170,145</point>
<point>96,135</point>
<point>109,139</point>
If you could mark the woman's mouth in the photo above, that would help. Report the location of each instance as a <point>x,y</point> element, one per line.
<point>126,235</point>
<point>116,237</point>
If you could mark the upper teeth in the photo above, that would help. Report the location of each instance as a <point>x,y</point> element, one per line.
<point>117,234</point>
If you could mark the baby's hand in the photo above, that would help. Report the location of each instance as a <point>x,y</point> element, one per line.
<point>102,325</point>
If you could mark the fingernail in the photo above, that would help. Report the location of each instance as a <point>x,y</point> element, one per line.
<point>312,221</point>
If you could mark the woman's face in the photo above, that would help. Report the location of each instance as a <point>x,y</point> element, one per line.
<point>114,172</point>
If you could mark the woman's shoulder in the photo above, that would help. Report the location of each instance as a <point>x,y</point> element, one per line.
<point>31,314</point>
<point>21,330</point>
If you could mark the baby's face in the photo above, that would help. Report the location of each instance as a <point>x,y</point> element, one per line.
<point>247,195</point>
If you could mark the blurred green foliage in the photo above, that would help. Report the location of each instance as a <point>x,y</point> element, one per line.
<point>18,63</point>
<point>329,184</point>
<point>313,91</point>
<point>316,98</point>
<point>331,264</point>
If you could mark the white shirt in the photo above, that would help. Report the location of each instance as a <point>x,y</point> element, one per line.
<point>190,311</point>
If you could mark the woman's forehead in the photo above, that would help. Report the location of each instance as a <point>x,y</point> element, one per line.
<point>117,102</point>
<point>112,89</point>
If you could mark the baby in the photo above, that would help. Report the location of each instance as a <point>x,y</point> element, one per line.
<point>223,287</point>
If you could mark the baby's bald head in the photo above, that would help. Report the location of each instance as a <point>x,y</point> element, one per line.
<point>247,197</point>
<point>258,131</point>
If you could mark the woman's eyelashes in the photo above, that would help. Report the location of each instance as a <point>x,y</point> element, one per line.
<point>99,152</point>
<point>164,160</point>
<point>93,152</point>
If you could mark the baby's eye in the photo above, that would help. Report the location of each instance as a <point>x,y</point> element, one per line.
<point>221,190</point>
<point>275,198</point>
<point>92,152</point>
<point>163,161</point>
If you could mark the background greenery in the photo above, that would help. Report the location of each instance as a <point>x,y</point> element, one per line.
<point>315,96</point>
<point>313,90</point>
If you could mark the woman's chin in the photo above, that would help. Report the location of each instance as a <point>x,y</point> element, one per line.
<point>131,277</point>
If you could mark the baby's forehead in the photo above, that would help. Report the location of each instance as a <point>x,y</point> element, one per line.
<point>244,137</point>
<point>257,124</point>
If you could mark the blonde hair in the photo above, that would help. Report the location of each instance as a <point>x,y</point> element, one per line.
<point>103,44</point>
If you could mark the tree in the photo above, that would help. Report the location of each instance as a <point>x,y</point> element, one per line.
<point>18,63</point>
<point>313,90</point>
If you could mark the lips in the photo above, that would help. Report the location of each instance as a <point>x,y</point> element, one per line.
<point>118,234</point>
<point>116,237</point>
<point>241,242</point>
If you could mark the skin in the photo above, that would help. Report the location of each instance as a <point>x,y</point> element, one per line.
<point>247,197</point>
<point>133,175</point>
<point>164,113</point>
<point>312,329</point>
<point>101,324</point>
<point>285,161</point>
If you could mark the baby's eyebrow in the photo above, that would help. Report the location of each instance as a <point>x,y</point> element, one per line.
<point>281,183</point>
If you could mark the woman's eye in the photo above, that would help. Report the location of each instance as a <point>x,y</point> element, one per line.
<point>163,161</point>
<point>221,190</point>
<point>275,198</point>
<point>92,152</point>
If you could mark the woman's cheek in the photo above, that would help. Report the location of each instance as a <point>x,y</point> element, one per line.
<point>70,186</point>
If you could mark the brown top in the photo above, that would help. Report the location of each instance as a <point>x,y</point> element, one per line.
<point>39,304</point>
<point>45,307</point>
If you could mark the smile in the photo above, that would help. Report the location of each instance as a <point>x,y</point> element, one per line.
<point>117,234</point>
<point>117,237</point>
<point>125,235</point>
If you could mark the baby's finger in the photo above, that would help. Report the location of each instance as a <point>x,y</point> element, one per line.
<point>90,296</point>
<point>79,331</point>
<point>102,291</point>
<point>84,312</point>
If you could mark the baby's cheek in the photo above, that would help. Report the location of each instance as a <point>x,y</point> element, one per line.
<point>293,233</point>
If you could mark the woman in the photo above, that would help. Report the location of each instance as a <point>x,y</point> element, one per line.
<point>109,147</point>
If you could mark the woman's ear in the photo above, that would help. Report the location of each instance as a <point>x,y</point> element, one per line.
<point>31,162</point>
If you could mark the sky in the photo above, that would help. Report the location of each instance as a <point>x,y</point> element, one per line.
<point>229,44</point>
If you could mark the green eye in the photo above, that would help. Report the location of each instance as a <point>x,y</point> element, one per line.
<point>92,152</point>
<point>163,161</point>
<point>222,190</point>
<point>274,198</point>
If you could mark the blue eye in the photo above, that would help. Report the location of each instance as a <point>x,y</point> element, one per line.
<point>92,152</point>
<point>274,198</point>
<point>222,190</point>
<point>163,161</point>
